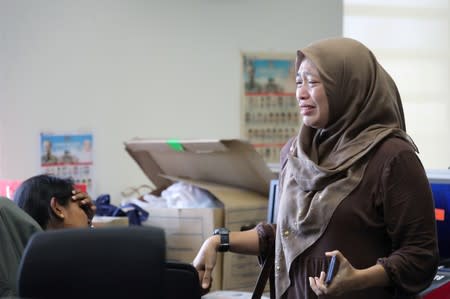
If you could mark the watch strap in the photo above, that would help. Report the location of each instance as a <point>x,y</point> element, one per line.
<point>224,235</point>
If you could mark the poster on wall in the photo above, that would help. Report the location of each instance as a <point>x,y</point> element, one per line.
<point>68,156</point>
<point>269,108</point>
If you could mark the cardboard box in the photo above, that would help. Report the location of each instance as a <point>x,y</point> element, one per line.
<point>234,173</point>
<point>109,221</point>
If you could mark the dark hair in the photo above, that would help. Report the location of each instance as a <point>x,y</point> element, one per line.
<point>35,193</point>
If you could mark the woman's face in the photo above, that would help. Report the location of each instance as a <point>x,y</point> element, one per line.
<point>74,215</point>
<point>311,96</point>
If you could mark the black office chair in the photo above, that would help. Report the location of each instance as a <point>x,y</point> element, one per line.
<point>122,262</point>
<point>182,281</point>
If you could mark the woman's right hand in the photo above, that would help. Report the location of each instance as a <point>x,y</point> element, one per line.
<point>205,261</point>
<point>348,278</point>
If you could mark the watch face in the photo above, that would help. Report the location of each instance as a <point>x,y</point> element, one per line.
<point>220,231</point>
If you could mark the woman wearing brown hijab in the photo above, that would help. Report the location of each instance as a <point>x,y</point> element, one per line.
<point>351,186</point>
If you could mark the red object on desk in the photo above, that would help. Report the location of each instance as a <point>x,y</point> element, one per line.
<point>442,292</point>
<point>440,287</point>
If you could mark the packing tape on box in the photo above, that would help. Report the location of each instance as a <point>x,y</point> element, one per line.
<point>175,145</point>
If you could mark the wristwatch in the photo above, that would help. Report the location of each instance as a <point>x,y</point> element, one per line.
<point>224,234</point>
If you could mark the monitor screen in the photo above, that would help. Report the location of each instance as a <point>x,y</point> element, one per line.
<point>440,186</point>
<point>272,206</point>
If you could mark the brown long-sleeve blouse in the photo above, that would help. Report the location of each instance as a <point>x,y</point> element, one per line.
<point>388,219</point>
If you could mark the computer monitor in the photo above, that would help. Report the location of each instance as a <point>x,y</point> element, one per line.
<point>440,186</point>
<point>273,202</point>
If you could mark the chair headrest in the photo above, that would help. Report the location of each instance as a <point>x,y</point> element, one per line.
<point>122,262</point>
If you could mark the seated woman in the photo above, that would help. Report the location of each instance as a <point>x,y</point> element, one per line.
<point>54,202</point>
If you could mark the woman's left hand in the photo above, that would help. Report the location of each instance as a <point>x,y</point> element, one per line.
<point>85,202</point>
<point>344,280</point>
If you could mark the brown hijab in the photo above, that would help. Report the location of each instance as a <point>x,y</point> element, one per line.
<point>325,165</point>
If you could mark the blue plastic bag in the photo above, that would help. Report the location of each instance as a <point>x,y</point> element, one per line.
<point>136,215</point>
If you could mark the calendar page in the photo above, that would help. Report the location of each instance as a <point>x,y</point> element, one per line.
<point>269,108</point>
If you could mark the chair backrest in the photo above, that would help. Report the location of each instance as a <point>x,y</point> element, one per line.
<point>182,281</point>
<point>122,262</point>
<point>16,227</point>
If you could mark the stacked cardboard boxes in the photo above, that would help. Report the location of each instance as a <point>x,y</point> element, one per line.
<point>234,173</point>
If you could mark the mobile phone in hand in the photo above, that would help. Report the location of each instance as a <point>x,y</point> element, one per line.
<point>332,269</point>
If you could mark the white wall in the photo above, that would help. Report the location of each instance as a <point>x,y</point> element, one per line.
<point>124,69</point>
<point>410,39</point>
